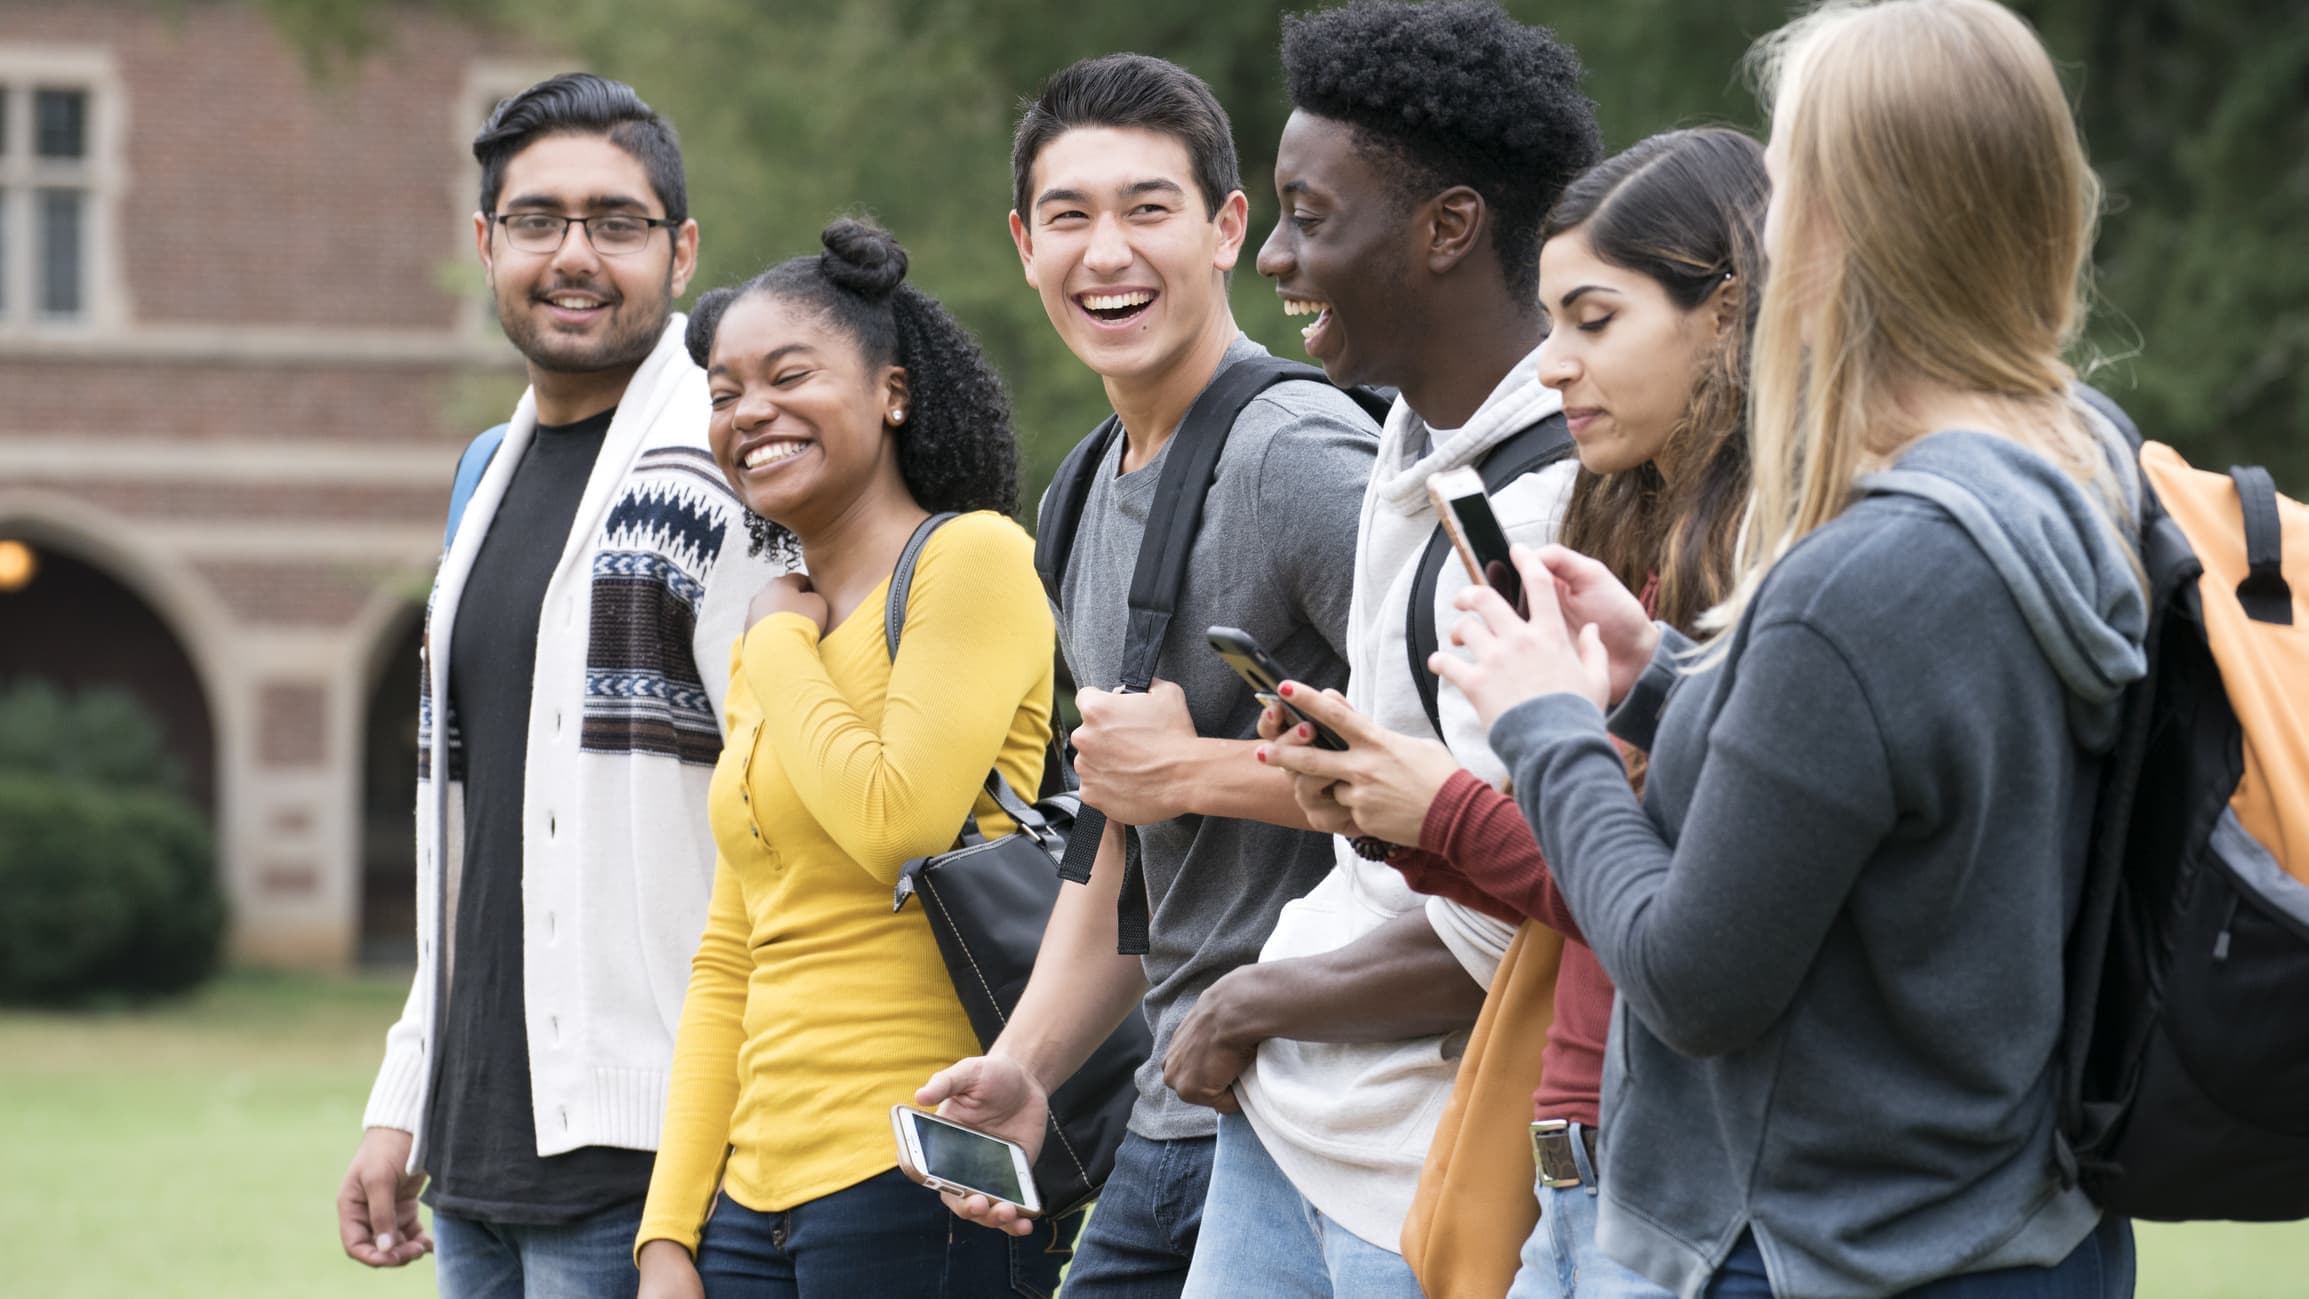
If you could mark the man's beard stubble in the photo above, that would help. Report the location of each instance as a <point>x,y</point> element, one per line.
<point>626,345</point>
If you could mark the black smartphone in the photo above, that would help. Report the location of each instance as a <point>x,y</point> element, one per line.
<point>1265,677</point>
<point>1465,513</point>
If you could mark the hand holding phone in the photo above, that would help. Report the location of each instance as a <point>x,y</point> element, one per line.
<point>1265,677</point>
<point>1464,511</point>
<point>945,1156</point>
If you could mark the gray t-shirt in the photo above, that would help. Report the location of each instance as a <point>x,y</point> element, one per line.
<point>1274,556</point>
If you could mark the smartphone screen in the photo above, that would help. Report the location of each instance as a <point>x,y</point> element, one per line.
<point>961,1157</point>
<point>1264,676</point>
<point>1466,514</point>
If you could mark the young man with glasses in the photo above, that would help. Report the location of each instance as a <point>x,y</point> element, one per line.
<point>577,644</point>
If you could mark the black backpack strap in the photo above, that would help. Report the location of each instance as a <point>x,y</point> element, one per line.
<point>2263,591</point>
<point>2086,1124</point>
<point>902,580</point>
<point>1525,452</point>
<point>1174,517</point>
<point>1062,505</point>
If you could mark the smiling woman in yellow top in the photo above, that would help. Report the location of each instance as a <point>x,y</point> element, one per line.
<point>847,406</point>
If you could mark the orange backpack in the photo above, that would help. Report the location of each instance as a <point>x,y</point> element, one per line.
<point>2186,1060</point>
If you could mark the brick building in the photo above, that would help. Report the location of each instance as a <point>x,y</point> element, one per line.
<point>242,339</point>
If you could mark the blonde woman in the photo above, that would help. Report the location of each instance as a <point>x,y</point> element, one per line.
<point>1835,921</point>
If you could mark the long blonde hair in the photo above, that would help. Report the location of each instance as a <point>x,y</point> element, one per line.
<point>1933,227</point>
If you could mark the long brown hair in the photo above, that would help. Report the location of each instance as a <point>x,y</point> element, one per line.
<point>1685,208</point>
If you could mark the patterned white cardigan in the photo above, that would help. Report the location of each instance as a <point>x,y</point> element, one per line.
<point>625,723</point>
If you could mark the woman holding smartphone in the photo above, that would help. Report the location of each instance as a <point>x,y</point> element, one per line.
<point>1836,919</point>
<point>1646,274</point>
<point>847,407</point>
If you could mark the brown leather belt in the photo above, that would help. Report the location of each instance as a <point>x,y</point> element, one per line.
<point>1551,1152</point>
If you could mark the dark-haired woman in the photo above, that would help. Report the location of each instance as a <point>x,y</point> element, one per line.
<point>847,408</point>
<point>1644,274</point>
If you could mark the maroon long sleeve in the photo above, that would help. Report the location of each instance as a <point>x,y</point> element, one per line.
<point>1476,848</point>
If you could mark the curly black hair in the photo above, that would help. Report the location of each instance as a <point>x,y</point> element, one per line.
<point>1452,93</point>
<point>956,450</point>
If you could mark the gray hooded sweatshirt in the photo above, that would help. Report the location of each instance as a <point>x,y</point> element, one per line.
<point>1836,920</point>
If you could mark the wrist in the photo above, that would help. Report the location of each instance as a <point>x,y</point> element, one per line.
<point>661,1252</point>
<point>1038,1061</point>
<point>1243,1010</point>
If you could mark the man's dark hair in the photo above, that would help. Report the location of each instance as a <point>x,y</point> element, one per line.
<point>1452,93</point>
<point>580,103</point>
<point>1129,90</point>
<point>956,450</point>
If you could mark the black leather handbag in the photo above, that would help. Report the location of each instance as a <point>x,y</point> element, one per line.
<point>987,901</point>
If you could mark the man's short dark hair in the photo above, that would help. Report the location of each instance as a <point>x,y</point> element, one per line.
<point>1452,93</point>
<point>580,103</point>
<point>1129,91</point>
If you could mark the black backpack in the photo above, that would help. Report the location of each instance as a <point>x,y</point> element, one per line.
<point>1172,521</point>
<point>1532,449</point>
<point>2184,1064</point>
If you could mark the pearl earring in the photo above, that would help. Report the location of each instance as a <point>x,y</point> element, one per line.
<point>898,416</point>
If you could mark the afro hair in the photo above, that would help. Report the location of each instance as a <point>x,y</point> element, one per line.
<point>1452,93</point>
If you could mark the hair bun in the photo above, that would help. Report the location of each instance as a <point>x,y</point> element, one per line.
<point>863,258</point>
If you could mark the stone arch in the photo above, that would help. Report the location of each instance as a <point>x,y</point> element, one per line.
<point>105,610</point>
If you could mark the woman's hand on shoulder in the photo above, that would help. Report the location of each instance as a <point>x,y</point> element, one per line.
<point>788,593</point>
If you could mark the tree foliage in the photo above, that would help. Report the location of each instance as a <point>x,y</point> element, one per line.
<point>2196,111</point>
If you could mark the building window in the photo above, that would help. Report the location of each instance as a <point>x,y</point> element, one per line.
<point>50,181</point>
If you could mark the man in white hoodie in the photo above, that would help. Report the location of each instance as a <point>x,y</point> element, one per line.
<point>577,645</point>
<point>1426,145</point>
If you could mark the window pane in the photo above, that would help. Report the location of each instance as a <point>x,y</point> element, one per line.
<point>4,245</point>
<point>60,123</point>
<point>61,212</point>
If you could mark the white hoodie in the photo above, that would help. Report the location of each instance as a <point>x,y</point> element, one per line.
<point>1349,1123</point>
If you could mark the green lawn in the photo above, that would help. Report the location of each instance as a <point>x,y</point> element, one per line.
<point>194,1150</point>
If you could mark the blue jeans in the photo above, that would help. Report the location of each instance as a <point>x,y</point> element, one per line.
<point>1142,1231</point>
<point>1260,1236</point>
<point>591,1258</point>
<point>2100,1267</point>
<point>885,1237</point>
<point>1560,1258</point>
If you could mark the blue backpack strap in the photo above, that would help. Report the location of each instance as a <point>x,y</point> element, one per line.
<point>470,466</point>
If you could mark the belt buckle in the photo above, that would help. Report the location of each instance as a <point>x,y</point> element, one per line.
<point>1551,1153</point>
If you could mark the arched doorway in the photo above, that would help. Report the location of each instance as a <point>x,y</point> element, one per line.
<point>388,921</point>
<point>67,621</point>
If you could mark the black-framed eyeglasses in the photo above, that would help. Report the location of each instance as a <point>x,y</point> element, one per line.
<point>612,234</point>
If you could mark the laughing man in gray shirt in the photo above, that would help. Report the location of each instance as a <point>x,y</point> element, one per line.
<point>1129,215</point>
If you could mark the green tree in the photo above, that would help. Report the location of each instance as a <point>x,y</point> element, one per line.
<point>2196,111</point>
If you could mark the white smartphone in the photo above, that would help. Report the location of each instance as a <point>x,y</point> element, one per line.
<point>945,1156</point>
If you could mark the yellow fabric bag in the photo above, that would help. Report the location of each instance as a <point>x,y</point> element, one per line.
<point>1475,1206</point>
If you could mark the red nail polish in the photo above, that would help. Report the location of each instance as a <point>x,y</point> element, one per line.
<point>1285,688</point>
<point>1260,753</point>
<point>1306,732</point>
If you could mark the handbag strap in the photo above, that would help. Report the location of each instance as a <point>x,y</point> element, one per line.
<point>893,626</point>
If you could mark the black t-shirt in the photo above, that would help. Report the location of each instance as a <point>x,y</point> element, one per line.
<point>481,1151</point>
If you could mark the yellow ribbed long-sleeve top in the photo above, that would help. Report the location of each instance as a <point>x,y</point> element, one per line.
<point>813,1007</point>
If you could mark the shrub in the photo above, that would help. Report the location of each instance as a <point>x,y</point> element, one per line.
<point>107,874</point>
